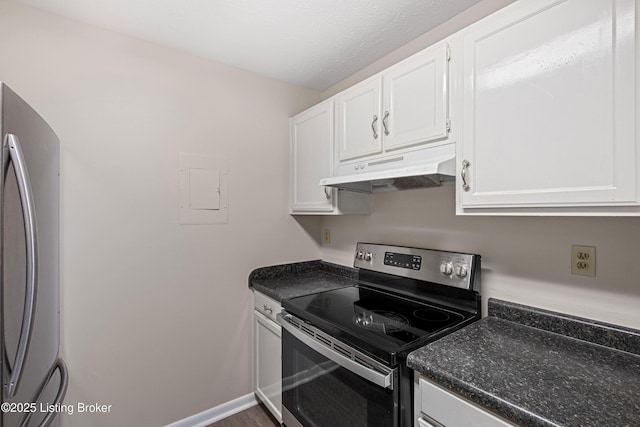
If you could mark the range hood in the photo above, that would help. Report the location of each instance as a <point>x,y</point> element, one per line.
<point>427,173</point>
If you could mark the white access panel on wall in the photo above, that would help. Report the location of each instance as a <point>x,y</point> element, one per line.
<point>204,189</point>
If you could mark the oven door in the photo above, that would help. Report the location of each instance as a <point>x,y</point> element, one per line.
<point>326,383</point>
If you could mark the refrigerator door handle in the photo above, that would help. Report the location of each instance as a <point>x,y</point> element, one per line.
<point>62,390</point>
<point>12,145</point>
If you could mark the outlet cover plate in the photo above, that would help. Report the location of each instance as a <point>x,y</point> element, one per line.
<point>583,260</point>
<point>326,236</point>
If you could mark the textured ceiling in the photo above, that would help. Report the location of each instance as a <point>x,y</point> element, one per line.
<point>311,43</point>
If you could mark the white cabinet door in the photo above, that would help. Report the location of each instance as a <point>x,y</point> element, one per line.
<point>268,364</point>
<point>548,106</point>
<point>359,121</point>
<point>311,158</point>
<point>404,106</point>
<point>415,99</point>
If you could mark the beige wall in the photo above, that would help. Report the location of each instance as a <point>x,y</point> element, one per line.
<point>155,315</point>
<point>525,260</point>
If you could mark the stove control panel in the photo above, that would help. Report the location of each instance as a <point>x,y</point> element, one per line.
<point>446,268</point>
<point>413,262</point>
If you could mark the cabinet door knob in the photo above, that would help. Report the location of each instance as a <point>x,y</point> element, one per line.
<point>267,309</point>
<point>385,123</point>
<point>373,126</point>
<point>327,193</point>
<point>463,175</point>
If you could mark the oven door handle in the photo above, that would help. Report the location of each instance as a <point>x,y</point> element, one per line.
<point>380,379</point>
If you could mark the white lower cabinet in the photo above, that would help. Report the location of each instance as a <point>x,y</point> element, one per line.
<point>268,354</point>
<point>438,407</point>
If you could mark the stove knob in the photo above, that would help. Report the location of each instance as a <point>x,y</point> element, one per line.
<point>368,256</point>
<point>446,268</point>
<point>461,270</point>
<point>360,255</point>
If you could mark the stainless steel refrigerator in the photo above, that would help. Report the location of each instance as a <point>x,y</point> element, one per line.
<point>34,378</point>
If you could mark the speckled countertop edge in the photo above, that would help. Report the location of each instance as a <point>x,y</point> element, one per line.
<point>606,334</point>
<point>291,269</point>
<point>302,278</point>
<point>536,376</point>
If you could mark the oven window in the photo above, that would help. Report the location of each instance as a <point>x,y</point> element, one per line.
<point>319,392</point>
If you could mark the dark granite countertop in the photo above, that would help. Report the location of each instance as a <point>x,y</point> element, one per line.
<point>291,280</point>
<point>539,368</point>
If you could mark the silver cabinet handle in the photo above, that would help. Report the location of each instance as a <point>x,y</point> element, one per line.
<point>463,175</point>
<point>373,126</point>
<point>267,309</point>
<point>327,193</point>
<point>385,123</point>
<point>13,153</point>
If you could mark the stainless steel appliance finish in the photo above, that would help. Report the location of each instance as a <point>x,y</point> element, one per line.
<point>34,378</point>
<point>340,353</point>
<point>344,350</point>
<point>327,384</point>
<point>441,267</point>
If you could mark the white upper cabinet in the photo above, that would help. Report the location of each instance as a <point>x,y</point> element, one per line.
<point>547,105</point>
<point>311,135</point>
<point>359,120</point>
<point>404,106</point>
<point>415,99</point>
<point>312,158</point>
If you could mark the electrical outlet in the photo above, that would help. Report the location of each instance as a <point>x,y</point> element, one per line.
<point>326,236</point>
<point>583,260</point>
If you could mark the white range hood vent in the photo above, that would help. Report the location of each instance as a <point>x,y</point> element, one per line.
<point>432,173</point>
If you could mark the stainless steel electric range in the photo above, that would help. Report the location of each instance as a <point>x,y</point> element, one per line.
<point>344,350</point>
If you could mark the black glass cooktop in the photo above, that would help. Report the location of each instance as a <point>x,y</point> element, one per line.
<point>376,322</point>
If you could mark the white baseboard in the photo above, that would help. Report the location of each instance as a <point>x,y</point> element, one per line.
<point>218,413</point>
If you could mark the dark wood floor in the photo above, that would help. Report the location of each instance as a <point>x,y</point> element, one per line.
<point>258,416</point>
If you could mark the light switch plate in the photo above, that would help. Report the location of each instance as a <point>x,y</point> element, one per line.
<point>583,260</point>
